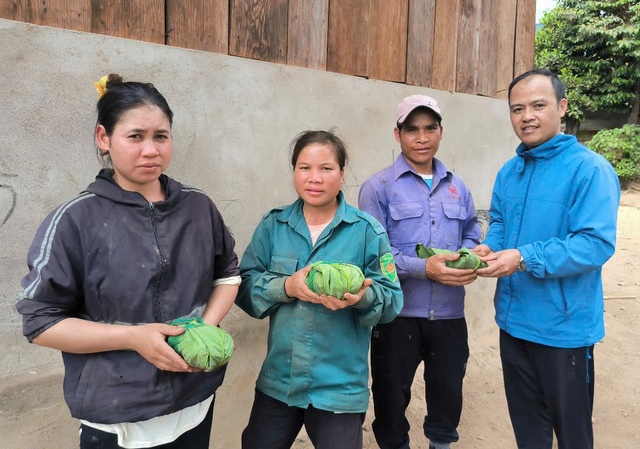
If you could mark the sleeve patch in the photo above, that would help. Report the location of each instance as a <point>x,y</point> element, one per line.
<point>388,267</point>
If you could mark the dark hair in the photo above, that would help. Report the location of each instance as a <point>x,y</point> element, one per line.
<point>120,97</point>
<point>557,83</point>
<point>420,108</point>
<point>306,138</point>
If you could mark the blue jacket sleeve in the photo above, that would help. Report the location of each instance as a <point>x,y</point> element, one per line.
<point>591,240</point>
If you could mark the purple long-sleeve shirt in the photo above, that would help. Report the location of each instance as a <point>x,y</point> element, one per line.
<point>442,216</point>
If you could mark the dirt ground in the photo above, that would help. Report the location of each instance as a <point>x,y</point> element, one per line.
<point>36,417</point>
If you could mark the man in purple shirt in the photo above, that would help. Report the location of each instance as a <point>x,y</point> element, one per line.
<point>418,200</point>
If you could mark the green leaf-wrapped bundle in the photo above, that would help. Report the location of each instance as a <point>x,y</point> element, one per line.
<point>201,345</point>
<point>334,279</point>
<point>467,258</point>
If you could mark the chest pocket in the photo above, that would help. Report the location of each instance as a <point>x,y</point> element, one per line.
<point>456,214</point>
<point>407,228</point>
<point>283,264</point>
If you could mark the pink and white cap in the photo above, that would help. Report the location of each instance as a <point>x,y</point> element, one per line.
<point>408,104</point>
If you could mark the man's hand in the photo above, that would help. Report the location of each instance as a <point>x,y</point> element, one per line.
<point>501,263</point>
<point>482,250</point>
<point>438,271</point>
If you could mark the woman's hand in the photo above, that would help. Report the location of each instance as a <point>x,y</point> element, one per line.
<point>350,299</point>
<point>295,286</point>
<point>149,340</point>
<point>79,336</point>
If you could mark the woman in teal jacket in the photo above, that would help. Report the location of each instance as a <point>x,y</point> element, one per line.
<point>316,370</point>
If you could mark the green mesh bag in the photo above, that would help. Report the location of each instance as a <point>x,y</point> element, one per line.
<point>467,258</point>
<point>334,279</point>
<point>201,345</point>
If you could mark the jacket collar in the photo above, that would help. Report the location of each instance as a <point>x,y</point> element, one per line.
<point>105,186</point>
<point>293,214</point>
<point>548,149</point>
<point>401,166</point>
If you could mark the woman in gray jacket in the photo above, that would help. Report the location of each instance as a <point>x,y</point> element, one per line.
<point>109,269</point>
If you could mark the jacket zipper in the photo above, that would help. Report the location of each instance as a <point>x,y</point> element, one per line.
<point>157,307</point>
<point>524,204</point>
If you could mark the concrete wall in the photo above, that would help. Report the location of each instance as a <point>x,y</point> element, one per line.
<point>234,119</point>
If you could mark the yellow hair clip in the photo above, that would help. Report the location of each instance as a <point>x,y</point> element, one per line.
<point>101,86</point>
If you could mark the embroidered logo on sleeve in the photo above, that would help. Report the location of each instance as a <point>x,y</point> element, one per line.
<point>388,267</point>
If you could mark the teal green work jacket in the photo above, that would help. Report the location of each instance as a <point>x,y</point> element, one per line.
<point>317,356</point>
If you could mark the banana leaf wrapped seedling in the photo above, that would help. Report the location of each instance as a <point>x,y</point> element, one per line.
<point>201,345</point>
<point>467,258</point>
<point>334,279</point>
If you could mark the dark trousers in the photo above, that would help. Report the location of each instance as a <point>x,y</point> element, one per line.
<point>397,349</point>
<point>275,425</point>
<point>548,389</point>
<point>196,438</point>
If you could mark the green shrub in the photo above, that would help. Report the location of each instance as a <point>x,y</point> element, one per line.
<point>621,147</point>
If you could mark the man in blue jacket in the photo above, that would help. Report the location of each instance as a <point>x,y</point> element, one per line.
<point>418,200</point>
<point>552,227</point>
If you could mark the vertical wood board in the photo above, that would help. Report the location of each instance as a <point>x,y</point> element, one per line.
<point>387,49</point>
<point>348,36</point>
<point>468,43</point>
<point>420,42</point>
<point>198,25</point>
<point>445,45</point>
<point>133,19</point>
<point>525,36</point>
<point>506,46</point>
<point>307,36</point>
<point>488,49</point>
<point>258,29</point>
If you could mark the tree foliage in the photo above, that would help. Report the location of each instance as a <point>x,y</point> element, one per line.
<point>594,46</point>
<point>621,147</point>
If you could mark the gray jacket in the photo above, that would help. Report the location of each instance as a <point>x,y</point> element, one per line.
<point>110,256</point>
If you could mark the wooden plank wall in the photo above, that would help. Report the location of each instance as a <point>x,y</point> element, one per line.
<point>469,46</point>
<point>445,46</point>
<point>308,32</point>
<point>197,24</point>
<point>422,42</point>
<point>348,36</point>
